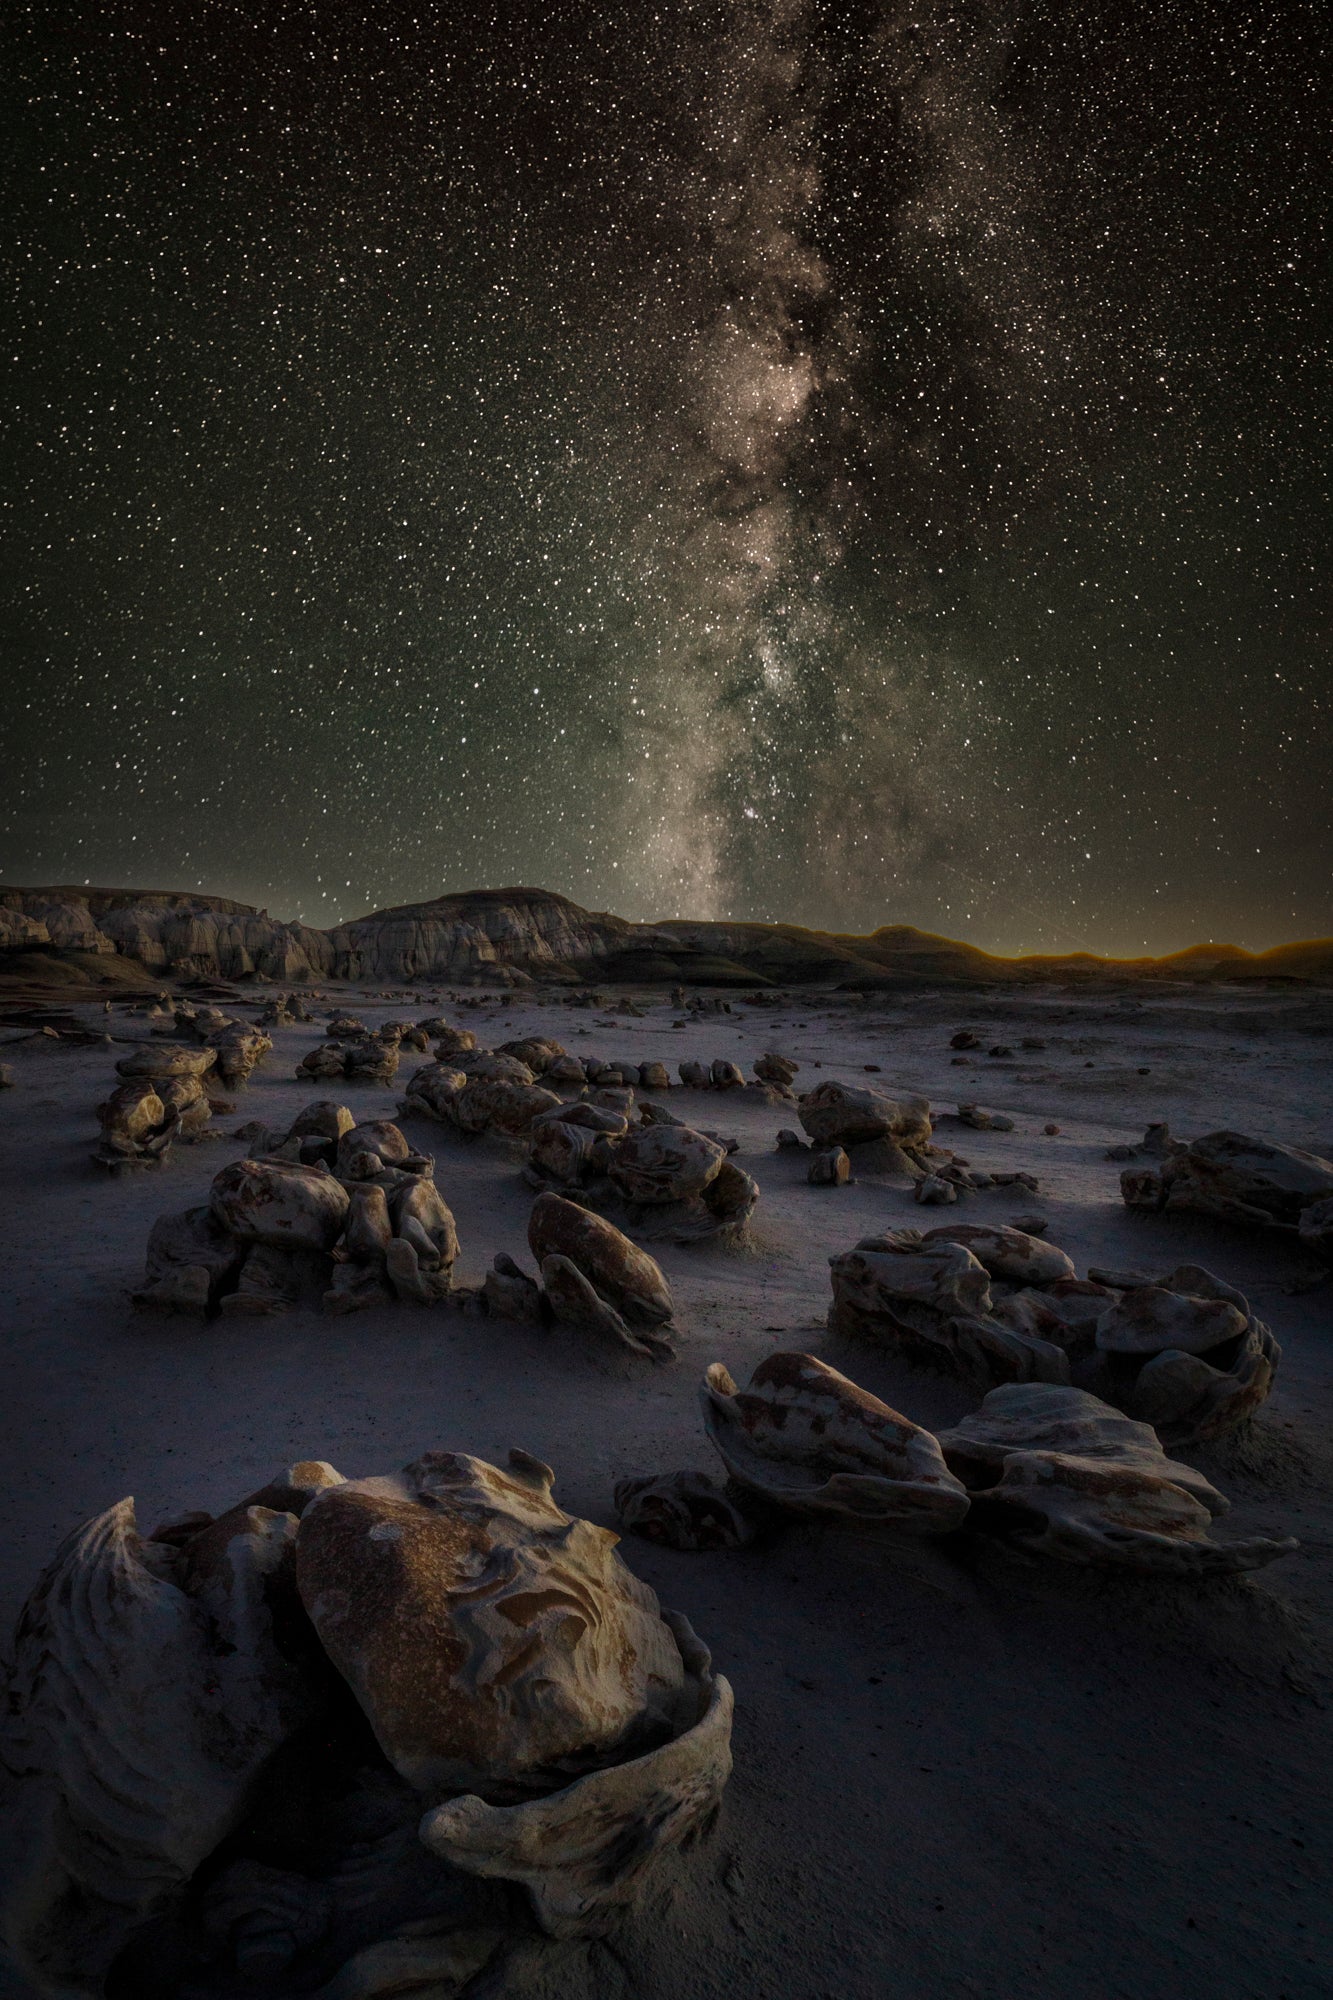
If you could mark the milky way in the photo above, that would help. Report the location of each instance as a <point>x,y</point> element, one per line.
<point>849,465</point>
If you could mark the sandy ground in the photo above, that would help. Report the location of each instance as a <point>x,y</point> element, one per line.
<point>956,1774</point>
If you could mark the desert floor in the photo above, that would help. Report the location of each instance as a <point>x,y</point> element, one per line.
<point>957,1773</point>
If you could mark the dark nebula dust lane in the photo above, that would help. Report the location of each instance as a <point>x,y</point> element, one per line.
<point>848,464</point>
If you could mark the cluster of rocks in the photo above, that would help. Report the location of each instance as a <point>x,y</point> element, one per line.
<point>661,1173</point>
<point>1236,1179</point>
<point>330,1211</point>
<point>854,1129</point>
<point>169,1092</point>
<point>664,1178</point>
<point>345,1216</point>
<point>349,1737</point>
<point>1048,1467</point>
<point>284,1010</point>
<point>240,1045</point>
<point>995,1304</point>
<point>363,1054</point>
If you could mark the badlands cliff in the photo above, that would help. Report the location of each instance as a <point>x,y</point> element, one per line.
<point>512,936</point>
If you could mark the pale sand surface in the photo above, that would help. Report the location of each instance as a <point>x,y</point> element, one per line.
<point>956,1774</point>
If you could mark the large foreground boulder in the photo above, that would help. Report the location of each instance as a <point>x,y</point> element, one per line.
<point>196,1799</point>
<point>496,1646</point>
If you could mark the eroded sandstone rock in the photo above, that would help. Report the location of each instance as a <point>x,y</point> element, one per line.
<point>496,1645</point>
<point>1234,1178</point>
<point>688,1511</point>
<point>272,1201</point>
<point>1061,1474</point>
<point>804,1438</point>
<point>619,1271</point>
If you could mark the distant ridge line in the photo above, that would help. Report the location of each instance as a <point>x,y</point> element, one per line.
<point>516,935</point>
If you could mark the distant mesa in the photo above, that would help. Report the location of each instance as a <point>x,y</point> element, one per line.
<point>511,937</point>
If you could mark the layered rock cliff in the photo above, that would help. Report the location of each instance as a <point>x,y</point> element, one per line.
<point>509,936</point>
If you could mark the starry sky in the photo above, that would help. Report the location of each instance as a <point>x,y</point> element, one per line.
<point>847,464</point>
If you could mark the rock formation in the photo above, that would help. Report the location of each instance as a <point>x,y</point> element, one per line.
<point>163,1096</point>
<point>666,1181</point>
<point>805,1439</point>
<point>495,1645</point>
<point>688,1511</point>
<point>331,1211</point>
<point>1057,1472</point>
<point>510,937</point>
<point>1236,1179</point>
<point>996,1305</point>
<point>191,1777</point>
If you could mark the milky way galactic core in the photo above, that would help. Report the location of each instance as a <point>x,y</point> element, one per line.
<point>841,464</point>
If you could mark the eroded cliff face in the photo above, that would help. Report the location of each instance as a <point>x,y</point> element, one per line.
<point>503,937</point>
<point>456,938</point>
<point>505,934</point>
<point>175,934</point>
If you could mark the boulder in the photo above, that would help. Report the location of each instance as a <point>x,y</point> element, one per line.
<point>1062,1475</point>
<point>488,1066</point>
<point>371,1060</point>
<point>829,1167</point>
<point>1233,1177</point>
<point>840,1114</point>
<point>141,1718</point>
<point>327,1060</point>
<point>495,1645</point>
<point>432,1092</point>
<point>379,1141</point>
<point>166,1059</point>
<point>137,1127</point>
<point>191,1261</point>
<point>688,1511</point>
<point>560,1151</point>
<point>584,1853</point>
<point>323,1119</point>
<point>272,1201</point>
<point>509,1293</point>
<point>453,1042</point>
<point>804,1438</point>
<point>622,1274</point>
<point>571,1298</point>
<point>502,1106</point>
<point>1006,1252</point>
<point>536,1051</point>
<point>185,1100</point>
<point>932,1301</point>
<point>664,1163</point>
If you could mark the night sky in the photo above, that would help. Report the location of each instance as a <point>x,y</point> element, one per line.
<point>838,463</point>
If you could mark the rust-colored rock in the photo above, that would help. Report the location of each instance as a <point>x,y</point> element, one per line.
<point>495,1644</point>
